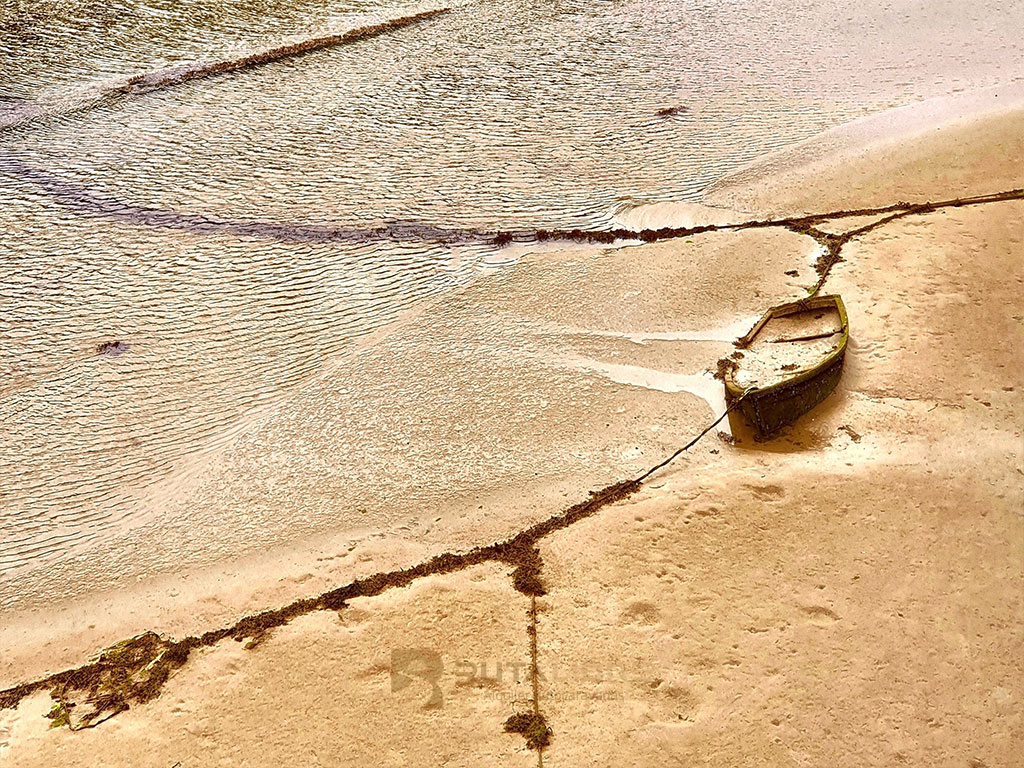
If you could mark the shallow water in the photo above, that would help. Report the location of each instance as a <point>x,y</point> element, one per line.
<point>239,232</point>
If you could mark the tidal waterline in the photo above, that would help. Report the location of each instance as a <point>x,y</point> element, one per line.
<point>495,115</point>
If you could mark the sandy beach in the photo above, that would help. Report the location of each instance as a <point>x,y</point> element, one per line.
<point>848,593</point>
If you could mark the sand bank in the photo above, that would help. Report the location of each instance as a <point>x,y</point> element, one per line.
<point>845,593</point>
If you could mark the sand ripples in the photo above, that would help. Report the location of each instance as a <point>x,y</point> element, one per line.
<point>170,359</point>
<point>238,215</point>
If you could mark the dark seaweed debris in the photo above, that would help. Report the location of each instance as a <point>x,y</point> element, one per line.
<point>724,366</point>
<point>113,348</point>
<point>854,435</point>
<point>532,726</point>
<point>669,111</point>
<point>132,671</point>
<point>153,80</point>
<point>135,670</point>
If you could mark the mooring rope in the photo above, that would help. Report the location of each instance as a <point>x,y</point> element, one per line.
<point>174,654</point>
<point>732,406</point>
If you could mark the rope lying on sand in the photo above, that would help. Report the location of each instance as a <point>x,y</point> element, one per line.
<point>732,406</point>
<point>135,670</point>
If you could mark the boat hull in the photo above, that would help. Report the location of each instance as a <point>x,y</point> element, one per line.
<point>773,407</point>
<point>770,410</point>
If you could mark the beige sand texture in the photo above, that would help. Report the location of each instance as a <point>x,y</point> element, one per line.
<point>507,411</point>
<point>848,593</point>
<point>947,158</point>
<point>319,691</point>
<point>855,601</point>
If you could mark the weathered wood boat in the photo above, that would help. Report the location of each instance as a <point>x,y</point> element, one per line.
<point>789,361</point>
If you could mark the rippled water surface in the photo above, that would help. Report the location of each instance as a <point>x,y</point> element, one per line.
<point>177,262</point>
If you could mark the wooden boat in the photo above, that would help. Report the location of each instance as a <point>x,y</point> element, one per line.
<point>789,361</point>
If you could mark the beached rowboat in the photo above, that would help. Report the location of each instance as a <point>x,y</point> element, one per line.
<point>789,361</point>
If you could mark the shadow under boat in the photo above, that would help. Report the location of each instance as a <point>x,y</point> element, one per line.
<point>777,380</point>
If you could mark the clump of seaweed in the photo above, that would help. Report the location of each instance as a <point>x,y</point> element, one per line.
<point>526,576</point>
<point>59,714</point>
<point>532,726</point>
<point>111,348</point>
<point>131,671</point>
<point>669,111</point>
<point>724,366</point>
<point>828,259</point>
<point>854,435</point>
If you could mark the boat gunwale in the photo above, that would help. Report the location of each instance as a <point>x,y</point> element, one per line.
<point>735,391</point>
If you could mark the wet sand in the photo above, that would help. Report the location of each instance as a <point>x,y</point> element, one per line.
<point>845,593</point>
<point>247,233</point>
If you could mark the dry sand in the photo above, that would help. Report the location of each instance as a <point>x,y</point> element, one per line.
<point>849,593</point>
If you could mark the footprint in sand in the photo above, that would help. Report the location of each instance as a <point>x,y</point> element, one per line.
<point>768,492</point>
<point>640,612</point>
<point>819,615</point>
<point>673,702</point>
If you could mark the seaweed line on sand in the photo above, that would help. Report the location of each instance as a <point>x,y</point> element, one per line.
<point>135,670</point>
<point>88,202</point>
<point>532,725</point>
<point>802,224</point>
<point>833,243</point>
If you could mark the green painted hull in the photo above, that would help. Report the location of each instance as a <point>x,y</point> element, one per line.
<point>773,407</point>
